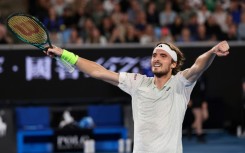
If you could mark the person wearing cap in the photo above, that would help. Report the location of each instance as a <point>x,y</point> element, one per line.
<point>159,103</point>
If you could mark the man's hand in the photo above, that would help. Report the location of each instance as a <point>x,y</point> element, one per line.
<point>221,49</point>
<point>55,51</point>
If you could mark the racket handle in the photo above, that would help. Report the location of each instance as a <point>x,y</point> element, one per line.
<point>67,66</point>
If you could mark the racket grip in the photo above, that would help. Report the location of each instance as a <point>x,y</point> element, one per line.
<point>67,66</point>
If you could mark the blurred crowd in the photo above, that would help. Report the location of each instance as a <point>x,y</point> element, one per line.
<point>138,21</point>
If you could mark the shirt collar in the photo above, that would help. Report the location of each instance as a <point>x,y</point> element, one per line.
<point>165,85</point>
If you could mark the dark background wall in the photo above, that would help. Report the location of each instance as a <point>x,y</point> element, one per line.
<point>224,77</point>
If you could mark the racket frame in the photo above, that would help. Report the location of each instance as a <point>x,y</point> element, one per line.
<point>70,68</point>
<point>38,45</point>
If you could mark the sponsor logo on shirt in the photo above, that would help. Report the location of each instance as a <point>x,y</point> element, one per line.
<point>135,76</point>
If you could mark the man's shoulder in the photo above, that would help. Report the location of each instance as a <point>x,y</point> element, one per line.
<point>134,76</point>
<point>180,77</point>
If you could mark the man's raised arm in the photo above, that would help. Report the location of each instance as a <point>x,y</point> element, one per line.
<point>205,60</point>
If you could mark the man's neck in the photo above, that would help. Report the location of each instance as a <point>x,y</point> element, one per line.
<point>161,81</point>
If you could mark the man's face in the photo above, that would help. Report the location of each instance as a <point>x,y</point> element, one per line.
<point>161,63</point>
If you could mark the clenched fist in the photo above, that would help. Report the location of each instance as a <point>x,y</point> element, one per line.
<point>221,49</point>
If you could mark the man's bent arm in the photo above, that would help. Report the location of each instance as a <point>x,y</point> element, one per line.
<point>205,60</point>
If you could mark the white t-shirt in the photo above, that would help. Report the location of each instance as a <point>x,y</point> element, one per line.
<point>158,114</point>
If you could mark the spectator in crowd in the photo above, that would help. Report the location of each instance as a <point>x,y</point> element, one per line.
<point>69,17</point>
<point>125,5</point>
<point>59,6</point>
<point>186,12</point>
<point>148,35</point>
<point>40,8</point>
<point>110,16</point>
<point>241,28</point>
<point>87,28</point>
<point>213,30</point>
<point>79,17</point>
<point>167,16</point>
<point>235,11</point>
<point>193,24</point>
<point>69,22</point>
<point>116,36</point>
<point>228,23</point>
<point>55,25</point>
<point>176,5</point>
<point>202,14</point>
<point>117,14</point>
<point>1,17</point>
<point>152,14</point>
<point>211,4</point>
<point>4,38</point>
<point>224,3</point>
<point>74,37</point>
<point>220,16</point>
<point>242,6</point>
<point>199,106</point>
<point>3,127</point>
<point>195,4</point>
<point>98,14</point>
<point>95,37</point>
<point>243,104</point>
<point>232,33</point>
<point>107,27</point>
<point>53,22</point>
<point>141,23</point>
<point>90,6</point>
<point>201,33</point>
<point>124,24</point>
<point>133,11</point>
<point>131,34</point>
<point>160,4</point>
<point>109,6</point>
<point>185,36</point>
<point>166,35</point>
<point>176,27</point>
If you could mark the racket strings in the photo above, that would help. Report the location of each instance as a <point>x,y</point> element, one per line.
<point>28,29</point>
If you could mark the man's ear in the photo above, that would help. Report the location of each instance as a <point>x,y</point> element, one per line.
<point>173,65</point>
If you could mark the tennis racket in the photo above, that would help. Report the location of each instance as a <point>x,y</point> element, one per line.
<point>30,30</point>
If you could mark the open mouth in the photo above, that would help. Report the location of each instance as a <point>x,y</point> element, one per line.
<point>157,65</point>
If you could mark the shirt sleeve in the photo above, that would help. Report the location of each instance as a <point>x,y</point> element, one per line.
<point>128,82</point>
<point>184,86</point>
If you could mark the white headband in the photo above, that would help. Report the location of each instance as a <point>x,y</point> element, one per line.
<point>168,50</point>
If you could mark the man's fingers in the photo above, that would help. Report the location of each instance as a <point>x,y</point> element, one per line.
<point>49,52</point>
<point>224,46</point>
<point>221,53</point>
<point>52,51</point>
<point>226,53</point>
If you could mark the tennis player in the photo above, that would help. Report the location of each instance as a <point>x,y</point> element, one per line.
<point>159,103</point>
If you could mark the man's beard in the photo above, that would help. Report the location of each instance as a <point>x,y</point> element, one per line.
<point>159,74</point>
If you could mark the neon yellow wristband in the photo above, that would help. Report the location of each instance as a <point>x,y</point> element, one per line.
<point>69,57</point>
